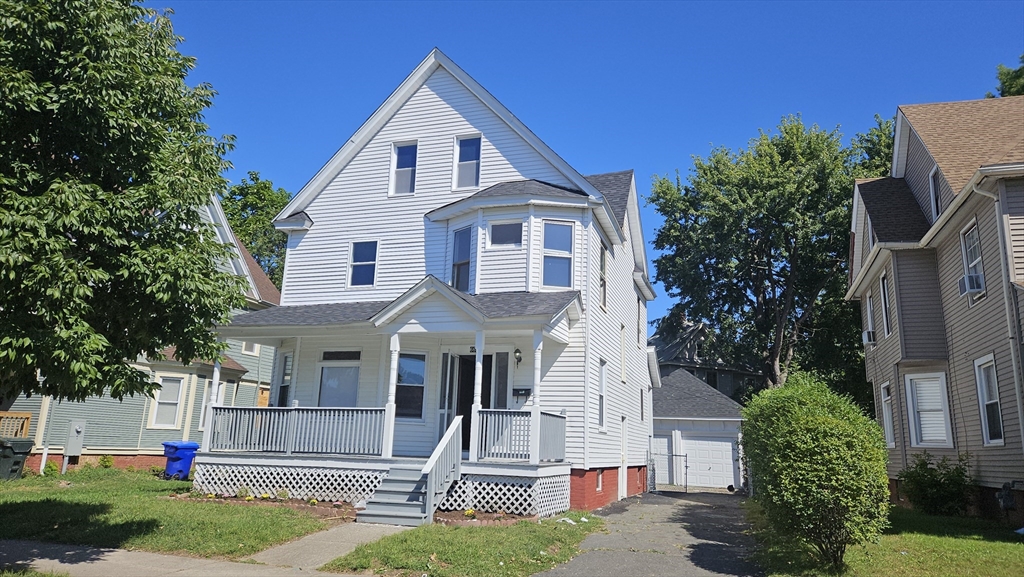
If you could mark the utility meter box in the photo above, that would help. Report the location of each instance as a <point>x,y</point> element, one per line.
<point>76,433</point>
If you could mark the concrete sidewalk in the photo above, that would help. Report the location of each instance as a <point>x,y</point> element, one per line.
<point>300,557</point>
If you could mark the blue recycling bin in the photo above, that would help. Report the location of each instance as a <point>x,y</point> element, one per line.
<point>180,455</point>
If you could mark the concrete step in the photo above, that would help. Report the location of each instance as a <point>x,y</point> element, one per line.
<point>394,506</point>
<point>392,518</point>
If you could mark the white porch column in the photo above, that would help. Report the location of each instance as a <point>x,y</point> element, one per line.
<point>389,407</point>
<point>538,348</point>
<point>214,401</point>
<point>478,379</point>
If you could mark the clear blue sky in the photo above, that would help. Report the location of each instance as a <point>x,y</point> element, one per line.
<point>608,86</point>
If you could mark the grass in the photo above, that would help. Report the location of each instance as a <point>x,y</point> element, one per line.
<point>916,545</point>
<point>443,551</point>
<point>114,508</point>
<point>27,572</point>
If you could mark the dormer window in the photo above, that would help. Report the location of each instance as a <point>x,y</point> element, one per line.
<point>460,259</point>
<point>557,254</point>
<point>404,181</point>
<point>467,167</point>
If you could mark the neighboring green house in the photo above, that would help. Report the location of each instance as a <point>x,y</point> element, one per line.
<point>132,430</point>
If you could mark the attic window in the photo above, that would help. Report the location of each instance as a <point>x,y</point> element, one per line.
<point>405,169</point>
<point>467,169</point>
<point>364,264</point>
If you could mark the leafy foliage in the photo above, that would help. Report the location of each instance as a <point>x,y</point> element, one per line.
<point>1011,80</point>
<point>251,207</point>
<point>104,166</point>
<point>940,487</point>
<point>817,465</point>
<point>873,149</point>
<point>755,238</point>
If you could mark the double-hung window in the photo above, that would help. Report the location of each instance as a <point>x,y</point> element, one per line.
<point>412,371</point>
<point>887,421</point>
<point>167,401</point>
<point>363,269</point>
<point>286,380</point>
<point>928,410</point>
<point>460,259</point>
<point>467,169</point>
<point>604,276</point>
<point>988,398</point>
<point>339,378</point>
<point>886,309</point>
<point>970,248</point>
<point>557,254</point>
<point>870,317</point>
<point>404,181</point>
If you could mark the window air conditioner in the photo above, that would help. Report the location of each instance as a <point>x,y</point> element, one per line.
<point>972,284</point>
<point>868,337</point>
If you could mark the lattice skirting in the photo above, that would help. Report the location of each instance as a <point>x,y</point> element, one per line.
<point>516,495</point>
<point>321,483</point>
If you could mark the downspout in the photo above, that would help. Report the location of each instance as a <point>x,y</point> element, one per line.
<point>1012,325</point>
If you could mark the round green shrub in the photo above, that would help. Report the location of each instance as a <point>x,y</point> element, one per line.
<point>939,488</point>
<point>817,466</point>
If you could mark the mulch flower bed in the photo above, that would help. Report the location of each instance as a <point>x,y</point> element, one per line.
<point>336,512</point>
<point>479,519</point>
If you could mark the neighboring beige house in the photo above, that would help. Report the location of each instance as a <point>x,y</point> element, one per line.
<point>937,263</point>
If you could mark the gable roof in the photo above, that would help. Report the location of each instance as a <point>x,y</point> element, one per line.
<point>266,291</point>
<point>615,187</point>
<point>310,315</point>
<point>225,363</point>
<point>528,187</point>
<point>894,212</point>
<point>684,396</point>
<point>964,136</point>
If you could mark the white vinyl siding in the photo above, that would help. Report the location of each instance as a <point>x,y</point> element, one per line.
<point>988,399</point>
<point>887,417</point>
<point>928,410</point>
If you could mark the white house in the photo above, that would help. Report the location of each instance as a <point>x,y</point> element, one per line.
<point>462,323</point>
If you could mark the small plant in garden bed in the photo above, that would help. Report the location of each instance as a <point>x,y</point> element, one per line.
<point>106,461</point>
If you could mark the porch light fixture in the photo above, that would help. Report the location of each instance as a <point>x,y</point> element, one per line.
<point>518,355</point>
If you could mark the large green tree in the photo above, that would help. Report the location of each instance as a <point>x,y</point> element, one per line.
<point>251,207</point>
<point>104,164</point>
<point>1011,80</point>
<point>755,238</point>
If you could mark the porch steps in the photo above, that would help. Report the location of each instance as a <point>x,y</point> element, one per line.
<point>400,499</point>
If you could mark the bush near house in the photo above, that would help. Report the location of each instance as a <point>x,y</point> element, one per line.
<point>939,488</point>
<point>817,466</point>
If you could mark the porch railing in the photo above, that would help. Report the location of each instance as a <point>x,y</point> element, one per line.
<point>14,424</point>
<point>552,437</point>
<point>288,430</point>
<point>444,466</point>
<point>504,435</point>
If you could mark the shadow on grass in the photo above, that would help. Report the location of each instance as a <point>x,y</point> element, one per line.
<point>908,521</point>
<point>718,521</point>
<point>61,521</point>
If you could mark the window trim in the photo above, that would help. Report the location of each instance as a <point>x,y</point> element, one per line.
<point>393,174</point>
<point>972,225</point>
<point>455,161</point>
<point>603,275</point>
<point>426,381</point>
<point>322,363</point>
<point>870,300</point>
<point>933,194</point>
<point>499,222</point>
<point>912,410</point>
<point>255,352</point>
<point>983,401</point>
<point>155,401</point>
<point>352,263</point>
<point>468,261</point>
<point>546,252</point>
<point>883,288</point>
<point>602,371</point>
<point>885,394</point>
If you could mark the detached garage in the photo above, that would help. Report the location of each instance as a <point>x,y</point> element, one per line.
<point>696,433</point>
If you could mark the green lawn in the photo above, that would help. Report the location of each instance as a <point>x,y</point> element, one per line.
<point>441,551</point>
<point>917,545</point>
<point>113,508</point>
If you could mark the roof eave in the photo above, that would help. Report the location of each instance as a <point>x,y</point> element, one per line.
<point>653,368</point>
<point>871,265</point>
<point>471,204</point>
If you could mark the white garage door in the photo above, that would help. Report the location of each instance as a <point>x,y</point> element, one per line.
<point>711,462</point>
<point>660,450</point>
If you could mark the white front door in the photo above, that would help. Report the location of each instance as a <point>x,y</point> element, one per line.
<point>623,468</point>
<point>660,451</point>
<point>711,462</point>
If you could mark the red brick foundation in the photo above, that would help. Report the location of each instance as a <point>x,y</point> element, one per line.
<point>142,462</point>
<point>583,492</point>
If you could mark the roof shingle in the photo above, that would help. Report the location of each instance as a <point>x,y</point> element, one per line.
<point>964,136</point>
<point>614,186</point>
<point>684,396</point>
<point>894,212</point>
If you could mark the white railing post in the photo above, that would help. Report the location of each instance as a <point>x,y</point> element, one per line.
<point>535,432</point>
<point>289,428</point>
<point>387,447</point>
<point>210,404</point>
<point>478,379</point>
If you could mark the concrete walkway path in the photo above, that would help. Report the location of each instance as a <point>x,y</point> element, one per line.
<point>299,557</point>
<point>672,534</point>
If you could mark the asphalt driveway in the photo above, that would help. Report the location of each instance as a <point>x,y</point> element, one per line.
<point>672,534</point>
